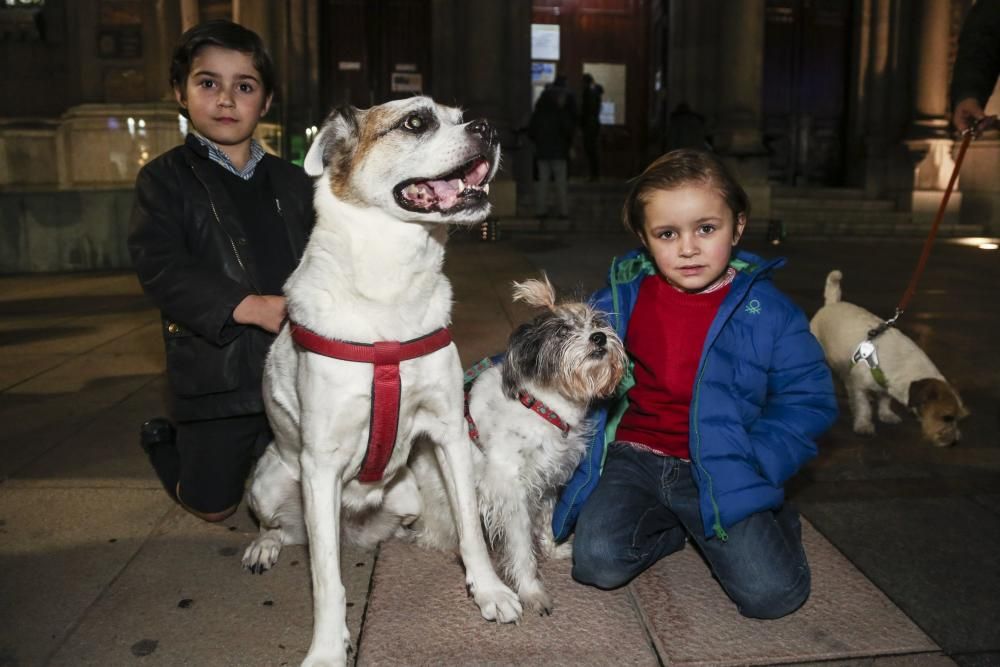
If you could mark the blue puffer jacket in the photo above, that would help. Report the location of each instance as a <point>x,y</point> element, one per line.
<point>762,394</point>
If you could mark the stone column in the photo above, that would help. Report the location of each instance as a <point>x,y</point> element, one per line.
<point>931,70</point>
<point>190,14</point>
<point>927,140</point>
<point>738,136</point>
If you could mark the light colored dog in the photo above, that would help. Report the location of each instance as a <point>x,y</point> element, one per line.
<point>528,415</point>
<point>391,177</point>
<point>912,379</point>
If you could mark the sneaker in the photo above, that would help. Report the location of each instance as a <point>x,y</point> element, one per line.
<point>156,431</point>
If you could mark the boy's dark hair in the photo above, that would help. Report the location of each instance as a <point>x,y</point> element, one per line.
<point>684,166</point>
<point>227,35</point>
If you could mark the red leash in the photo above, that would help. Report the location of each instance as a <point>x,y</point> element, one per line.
<point>386,385</point>
<point>968,135</point>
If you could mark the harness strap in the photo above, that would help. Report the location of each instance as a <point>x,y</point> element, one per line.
<point>386,385</point>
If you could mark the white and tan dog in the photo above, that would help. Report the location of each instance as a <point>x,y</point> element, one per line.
<point>529,417</point>
<point>390,179</point>
<point>912,379</point>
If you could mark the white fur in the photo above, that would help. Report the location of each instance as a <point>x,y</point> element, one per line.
<point>839,327</point>
<point>370,272</point>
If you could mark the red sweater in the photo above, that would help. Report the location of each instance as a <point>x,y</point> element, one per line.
<point>665,338</point>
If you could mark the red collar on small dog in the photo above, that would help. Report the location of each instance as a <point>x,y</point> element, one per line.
<point>544,411</point>
<point>386,385</point>
<point>527,400</point>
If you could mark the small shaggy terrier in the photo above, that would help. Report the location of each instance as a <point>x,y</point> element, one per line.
<point>528,416</point>
<point>910,376</point>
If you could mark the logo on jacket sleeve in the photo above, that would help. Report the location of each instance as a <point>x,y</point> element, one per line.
<point>753,307</point>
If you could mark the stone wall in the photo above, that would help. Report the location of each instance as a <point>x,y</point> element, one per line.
<point>75,230</point>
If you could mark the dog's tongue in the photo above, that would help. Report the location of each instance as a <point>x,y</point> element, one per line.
<point>446,192</point>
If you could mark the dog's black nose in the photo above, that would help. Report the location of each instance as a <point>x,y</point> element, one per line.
<point>598,339</point>
<point>484,130</point>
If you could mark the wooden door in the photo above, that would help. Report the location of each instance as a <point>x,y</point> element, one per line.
<point>805,89</point>
<point>613,33</point>
<point>375,51</point>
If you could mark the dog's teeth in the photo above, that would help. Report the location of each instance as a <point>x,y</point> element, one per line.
<point>458,184</point>
<point>486,188</point>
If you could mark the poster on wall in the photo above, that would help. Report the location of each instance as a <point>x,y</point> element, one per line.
<point>544,41</point>
<point>406,82</point>
<point>542,73</point>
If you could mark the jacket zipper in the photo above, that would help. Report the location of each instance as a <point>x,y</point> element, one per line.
<point>232,243</point>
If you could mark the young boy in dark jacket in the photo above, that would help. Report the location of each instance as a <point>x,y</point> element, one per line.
<point>217,227</point>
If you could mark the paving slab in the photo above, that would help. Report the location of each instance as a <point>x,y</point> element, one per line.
<point>185,600</point>
<point>693,623</point>
<point>938,558</point>
<point>419,614</point>
<point>104,452</point>
<point>59,549</point>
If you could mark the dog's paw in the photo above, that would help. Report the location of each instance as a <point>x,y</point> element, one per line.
<point>325,660</point>
<point>889,417</point>
<point>262,554</point>
<point>562,551</point>
<point>536,600</point>
<point>864,428</point>
<point>497,603</point>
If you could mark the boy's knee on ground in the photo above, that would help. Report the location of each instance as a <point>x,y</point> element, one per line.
<point>212,511</point>
<point>593,565</point>
<point>771,598</point>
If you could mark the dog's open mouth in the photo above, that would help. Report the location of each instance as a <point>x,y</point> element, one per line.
<point>457,190</point>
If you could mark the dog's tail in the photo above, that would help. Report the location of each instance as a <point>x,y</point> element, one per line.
<point>831,293</point>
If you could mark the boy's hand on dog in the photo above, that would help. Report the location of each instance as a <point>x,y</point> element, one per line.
<point>264,311</point>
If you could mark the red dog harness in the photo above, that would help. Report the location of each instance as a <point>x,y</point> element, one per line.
<point>386,386</point>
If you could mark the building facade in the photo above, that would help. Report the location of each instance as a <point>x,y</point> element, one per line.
<point>826,99</point>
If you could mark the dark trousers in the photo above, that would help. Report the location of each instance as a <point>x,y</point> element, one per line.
<point>592,149</point>
<point>645,506</point>
<point>215,459</point>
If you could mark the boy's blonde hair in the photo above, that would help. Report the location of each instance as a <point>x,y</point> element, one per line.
<point>684,166</point>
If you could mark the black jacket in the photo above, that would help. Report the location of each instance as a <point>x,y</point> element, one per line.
<point>551,126</point>
<point>977,63</point>
<point>192,258</point>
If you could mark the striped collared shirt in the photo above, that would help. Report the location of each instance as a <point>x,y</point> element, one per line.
<point>216,155</point>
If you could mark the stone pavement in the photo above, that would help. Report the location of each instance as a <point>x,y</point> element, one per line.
<point>97,567</point>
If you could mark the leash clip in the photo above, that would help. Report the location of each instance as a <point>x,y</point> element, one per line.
<point>882,328</point>
<point>982,125</point>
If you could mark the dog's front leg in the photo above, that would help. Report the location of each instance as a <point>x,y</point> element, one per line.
<point>496,601</point>
<point>321,494</point>
<point>510,519</point>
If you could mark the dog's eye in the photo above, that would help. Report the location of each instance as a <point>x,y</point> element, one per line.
<point>415,123</point>
<point>948,418</point>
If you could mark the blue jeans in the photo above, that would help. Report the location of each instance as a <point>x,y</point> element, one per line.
<point>645,506</point>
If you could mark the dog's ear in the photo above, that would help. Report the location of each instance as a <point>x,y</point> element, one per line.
<point>537,293</point>
<point>338,138</point>
<point>922,391</point>
<point>521,360</point>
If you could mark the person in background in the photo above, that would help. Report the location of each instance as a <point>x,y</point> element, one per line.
<point>551,129</point>
<point>977,64</point>
<point>590,124</point>
<point>217,227</point>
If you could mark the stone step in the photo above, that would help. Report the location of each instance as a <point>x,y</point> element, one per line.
<point>816,192</point>
<point>875,229</point>
<point>825,204</point>
<point>862,217</point>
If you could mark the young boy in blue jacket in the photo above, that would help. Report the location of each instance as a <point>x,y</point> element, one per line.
<point>727,393</point>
